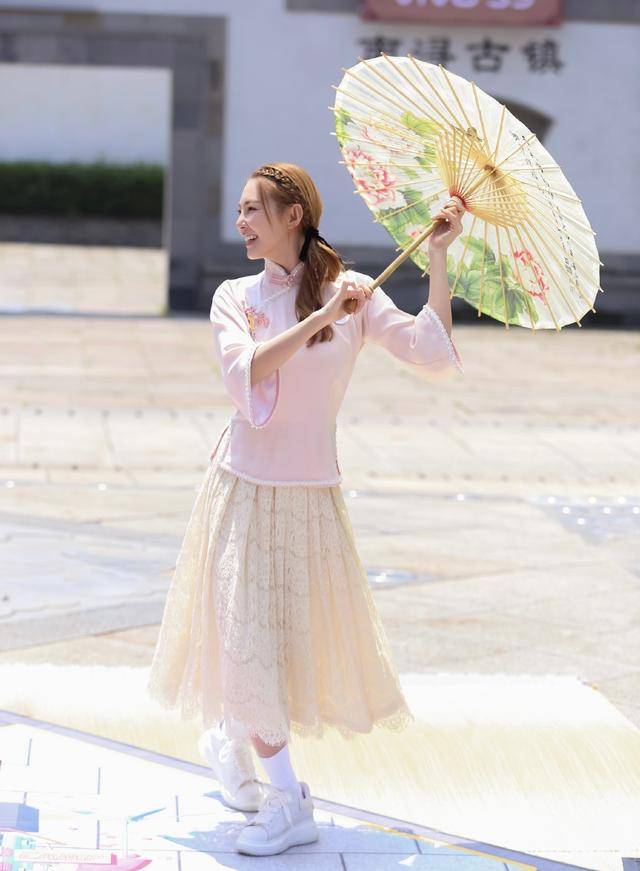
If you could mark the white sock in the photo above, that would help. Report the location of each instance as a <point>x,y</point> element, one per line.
<point>280,772</point>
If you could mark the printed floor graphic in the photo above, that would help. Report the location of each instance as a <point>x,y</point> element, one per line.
<point>71,801</point>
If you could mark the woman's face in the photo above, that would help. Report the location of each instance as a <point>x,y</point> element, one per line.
<point>272,239</point>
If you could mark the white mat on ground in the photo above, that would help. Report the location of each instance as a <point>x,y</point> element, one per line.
<point>543,764</point>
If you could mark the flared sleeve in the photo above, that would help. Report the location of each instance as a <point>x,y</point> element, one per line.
<point>420,340</point>
<point>234,348</point>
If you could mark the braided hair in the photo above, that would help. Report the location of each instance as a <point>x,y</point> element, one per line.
<point>292,184</point>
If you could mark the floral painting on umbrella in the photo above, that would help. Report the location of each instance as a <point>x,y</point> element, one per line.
<point>412,135</point>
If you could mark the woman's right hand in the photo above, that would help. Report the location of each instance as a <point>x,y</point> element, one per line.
<point>349,299</point>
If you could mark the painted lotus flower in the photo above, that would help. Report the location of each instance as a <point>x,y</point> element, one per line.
<point>377,185</point>
<point>537,285</point>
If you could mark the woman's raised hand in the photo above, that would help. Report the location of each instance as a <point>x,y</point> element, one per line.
<point>349,299</point>
<point>449,228</point>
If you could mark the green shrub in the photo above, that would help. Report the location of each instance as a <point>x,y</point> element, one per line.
<point>99,189</point>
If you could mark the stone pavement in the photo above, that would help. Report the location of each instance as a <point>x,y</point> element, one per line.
<point>72,279</point>
<point>497,512</point>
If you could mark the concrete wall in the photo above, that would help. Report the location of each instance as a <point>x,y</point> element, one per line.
<point>282,58</point>
<point>84,113</point>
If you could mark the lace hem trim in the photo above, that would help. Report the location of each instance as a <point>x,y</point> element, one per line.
<point>396,721</point>
<point>327,482</point>
<point>454,357</point>
<point>249,392</point>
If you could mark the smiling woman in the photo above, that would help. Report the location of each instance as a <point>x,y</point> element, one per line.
<point>270,622</point>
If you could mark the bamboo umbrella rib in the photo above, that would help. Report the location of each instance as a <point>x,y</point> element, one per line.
<point>416,89</point>
<point>514,152</point>
<point>544,212</point>
<point>435,91</point>
<point>399,211</point>
<point>553,229</point>
<point>579,224</point>
<point>504,292</point>
<point>402,147</point>
<point>386,145</point>
<point>530,242</point>
<point>455,94</point>
<point>496,199</point>
<point>401,131</point>
<point>452,157</point>
<point>444,147</point>
<point>370,87</point>
<point>566,299</point>
<point>446,142</point>
<point>468,174</point>
<point>369,66</point>
<point>489,193</point>
<point>548,303</point>
<point>557,193</point>
<point>468,165</point>
<point>476,180</point>
<point>404,150</point>
<point>421,184</point>
<point>464,252</point>
<point>520,279</point>
<point>579,266</point>
<point>483,270</point>
<point>479,201</point>
<point>499,136</point>
<point>403,136</point>
<point>546,166</point>
<point>378,111</point>
<point>379,163</point>
<point>463,170</point>
<point>575,287</point>
<point>480,115</point>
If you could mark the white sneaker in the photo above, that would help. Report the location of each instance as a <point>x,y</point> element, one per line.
<point>232,764</point>
<point>284,820</point>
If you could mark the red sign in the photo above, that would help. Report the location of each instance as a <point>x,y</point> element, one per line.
<point>516,13</point>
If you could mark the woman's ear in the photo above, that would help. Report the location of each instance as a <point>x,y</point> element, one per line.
<point>295,216</point>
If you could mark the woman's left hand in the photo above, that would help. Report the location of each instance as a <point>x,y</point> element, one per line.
<point>444,233</point>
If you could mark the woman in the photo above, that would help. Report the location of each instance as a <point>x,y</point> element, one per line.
<point>270,619</point>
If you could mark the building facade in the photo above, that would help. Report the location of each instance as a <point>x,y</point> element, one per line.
<point>251,82</point>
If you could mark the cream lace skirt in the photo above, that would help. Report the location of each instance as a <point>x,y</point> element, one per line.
<point>270,620</point>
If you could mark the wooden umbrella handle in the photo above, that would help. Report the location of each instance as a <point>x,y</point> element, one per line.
<point>391,268</point>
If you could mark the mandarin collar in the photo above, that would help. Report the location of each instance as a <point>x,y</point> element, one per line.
<point>278,275</point>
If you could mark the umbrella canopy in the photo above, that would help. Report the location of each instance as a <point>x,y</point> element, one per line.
<point>413,134</point>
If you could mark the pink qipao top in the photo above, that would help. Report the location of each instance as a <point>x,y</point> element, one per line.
<point>284,429</point>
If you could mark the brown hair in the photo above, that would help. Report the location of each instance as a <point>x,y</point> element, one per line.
<point>284,184</point>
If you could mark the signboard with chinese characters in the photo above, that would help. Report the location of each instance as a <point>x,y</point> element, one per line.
<point>517,13</point>
<point>485,54</point>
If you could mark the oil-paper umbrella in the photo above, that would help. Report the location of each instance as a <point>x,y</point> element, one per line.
<point>412,135</point>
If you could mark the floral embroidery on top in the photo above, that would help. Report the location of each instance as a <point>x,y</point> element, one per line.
<point>255,317</point>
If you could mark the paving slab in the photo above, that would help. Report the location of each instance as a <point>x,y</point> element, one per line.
<point>502,507</point>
